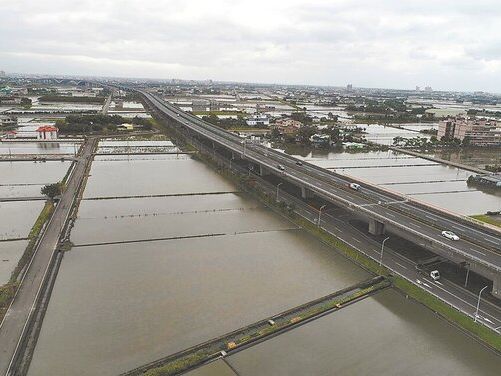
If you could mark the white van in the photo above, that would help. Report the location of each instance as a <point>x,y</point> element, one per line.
<point>435,275</point>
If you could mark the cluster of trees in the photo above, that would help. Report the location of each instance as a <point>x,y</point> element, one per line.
<point>52,190</point>
<point>98,123</point>
<point>62,98</point>
<point>226,123</point>
<point>302,117</point>
<point>423,142</point>
<point>493,168</point>
<point>25,101</point>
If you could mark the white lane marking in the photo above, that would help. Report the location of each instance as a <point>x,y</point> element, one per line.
<point>390,215</point>
<point>439,283</point>
<point>473,250</point>
<point>358,241</point>
<point>399,264</point>
<point>492,241</point>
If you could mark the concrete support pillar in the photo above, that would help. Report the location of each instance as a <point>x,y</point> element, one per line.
<point>263,171</point>
<point>375,227</point>
<point>496,287</point>
<point>306,193</point>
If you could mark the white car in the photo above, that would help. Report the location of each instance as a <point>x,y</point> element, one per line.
<point>355,186</point>
<point>450,235</point>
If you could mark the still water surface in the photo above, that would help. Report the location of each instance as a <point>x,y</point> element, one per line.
<point>117,306</point>
<point>382,335</point>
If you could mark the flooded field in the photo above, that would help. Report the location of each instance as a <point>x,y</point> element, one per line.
<point>168,175</point>
<point>382,335</point>
<point>159,146</point>
<point>384,135</point>
<point>10,253</point>
<point>14,148</point>
<point>146,299</point>
<point>149,276</point>
<point>25,179</point>
<point>424,180</point>
<point>21,216</point>
<point>476,157</point>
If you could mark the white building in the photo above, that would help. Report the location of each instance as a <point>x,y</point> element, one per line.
<point>255,120</point>
<point>47,132</point>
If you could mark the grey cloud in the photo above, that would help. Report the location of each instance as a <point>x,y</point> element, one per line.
<point>368,42</point>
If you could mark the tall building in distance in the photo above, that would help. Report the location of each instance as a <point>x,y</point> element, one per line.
<point>480,132</point>
<point>349,87</point>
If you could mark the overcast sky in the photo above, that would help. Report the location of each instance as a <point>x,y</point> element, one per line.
<point>453,45</point>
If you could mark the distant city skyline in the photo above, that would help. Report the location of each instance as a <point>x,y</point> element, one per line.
<point>448,45</point>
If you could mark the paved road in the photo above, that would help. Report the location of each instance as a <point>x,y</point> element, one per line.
<point>478,245</point>
<point>13,324</point>
<point>106,105</point>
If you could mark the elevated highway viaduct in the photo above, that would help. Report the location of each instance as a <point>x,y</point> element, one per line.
<point>479,247</point>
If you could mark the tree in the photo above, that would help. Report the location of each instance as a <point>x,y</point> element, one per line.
<point>52,190</point>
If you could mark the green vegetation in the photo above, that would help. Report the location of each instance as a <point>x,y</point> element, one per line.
<point>33,237</point>
<point>215,113</point>
<point>433,141</point>
<point>493,168</point>
<point>8,290</point>
<point>179,365</point>
<point>99,123</point>
<point>451,314</point>
<point>225,123</point>
<point>488,219</point>
<point>52,190</point>
<point>68,99</point>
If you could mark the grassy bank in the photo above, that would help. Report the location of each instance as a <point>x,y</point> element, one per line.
<point>464,322</point>
<point>43,217</point>
<point>8,290</point>
<point>488,219</point>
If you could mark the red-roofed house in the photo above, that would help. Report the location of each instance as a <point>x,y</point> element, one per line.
<point>47,132</point>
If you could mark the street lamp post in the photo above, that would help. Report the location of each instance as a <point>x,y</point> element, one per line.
<point>319,214</point>
<point>278,186</point>
<point>244,143</point>
<point>382,250</point>
<point>478,303</point>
